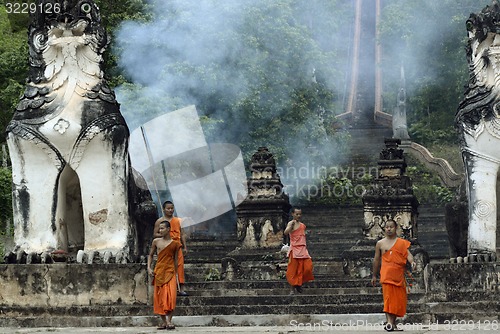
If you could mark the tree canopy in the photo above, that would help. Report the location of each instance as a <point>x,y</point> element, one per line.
<point>266,72</point>
<point>261,73</point>
<point>428,39</point>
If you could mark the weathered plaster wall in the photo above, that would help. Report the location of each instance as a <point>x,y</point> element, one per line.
<point>60,285</point>
<point>454,279</point>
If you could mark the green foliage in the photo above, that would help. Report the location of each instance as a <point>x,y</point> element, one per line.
<point>213,274</point>
<point>5,197</point>
<point>13,65</point>
<point>427,187</point>
<point>282,274</point>
<point>422,132</point>
<point>428,38</point>
<point>5,209</point>
<point>263,80</point>
<point>14,49</point>
<point>335,190</point>
<point>343,189</point>
<point>451,153</point>
<point>291,72</point>
<point>113,13</point>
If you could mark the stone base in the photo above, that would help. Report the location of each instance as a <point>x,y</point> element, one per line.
<point>73,285</point>
<point>454,279</point>
<point>254,264</point>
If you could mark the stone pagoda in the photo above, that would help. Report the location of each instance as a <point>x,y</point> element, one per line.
<point>262,216</point>
<point>390,196</point>
<point>261,220</point>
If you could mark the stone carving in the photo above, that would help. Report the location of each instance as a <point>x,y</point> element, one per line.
<point>478,121</point>
<point>399,122</point>
<point>73,187</point>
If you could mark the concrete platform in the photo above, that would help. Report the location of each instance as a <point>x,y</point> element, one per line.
<point>329,323</point>
<point>409,328</point>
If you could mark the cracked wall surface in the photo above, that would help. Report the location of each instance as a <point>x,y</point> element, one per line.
<point>57,285</point>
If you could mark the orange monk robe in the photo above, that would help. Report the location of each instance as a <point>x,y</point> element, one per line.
<point>175,234</point>
<point>392,278</point>
<point>300,266</point>
<point>165,285</point>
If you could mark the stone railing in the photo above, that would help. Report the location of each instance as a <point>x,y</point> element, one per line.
<point>446,173</point>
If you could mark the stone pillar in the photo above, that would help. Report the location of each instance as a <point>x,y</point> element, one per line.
<point>399,122</point>
<point>262,216</point>
<point>391,196</point>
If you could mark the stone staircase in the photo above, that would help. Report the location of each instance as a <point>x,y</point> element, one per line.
<point>332,296</point>
<point>331,232</point>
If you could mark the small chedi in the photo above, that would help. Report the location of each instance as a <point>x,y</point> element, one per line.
<point>261,220</point>
<point>478,120</point>
<point>390,196</point>
<point>262,216</point>
<point>74,191</point>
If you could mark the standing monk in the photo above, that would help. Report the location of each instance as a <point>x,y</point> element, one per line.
<point>164,281</point>
<point>177,234</point>
<point>300,266</point>
<point>394,254</point>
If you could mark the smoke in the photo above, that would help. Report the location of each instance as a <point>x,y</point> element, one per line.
<point>226,57</point>
<point>428,38</point>
<point>168,56</point>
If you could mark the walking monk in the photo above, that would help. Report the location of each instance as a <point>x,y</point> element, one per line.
<point>177,234</point>
<point>300,266</point>
<point>164,281</point>
<point>394,254</point>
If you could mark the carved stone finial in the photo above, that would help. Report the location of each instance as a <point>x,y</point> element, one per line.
<point>399,120</point>
<point>265,181</point>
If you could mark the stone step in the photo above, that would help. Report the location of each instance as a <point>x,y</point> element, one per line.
<point>331,301</point>
<point>347,224</point>
<point>337,282</point>
<point>303,299</point>
<point>206,255</point>
<point>284,291</point>
<point>330,245</point>
<point>203,259</point>
<point>334,239</point>
<point>291,307</point>
<point>272,305</point>
<point>325,244</point>
<point>335,235</point>
<point>433,224</point>
<point>213,246</point>
<point>328,255</point>
<point>201,271</point>
<point>352,228</point>
<point>334,322</point>
<point>433,235</point>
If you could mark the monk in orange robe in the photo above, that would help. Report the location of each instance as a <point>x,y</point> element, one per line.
<point>177,234</point>
<point>391,255</point>
<point>164,275</point>
<point>300,266</point>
